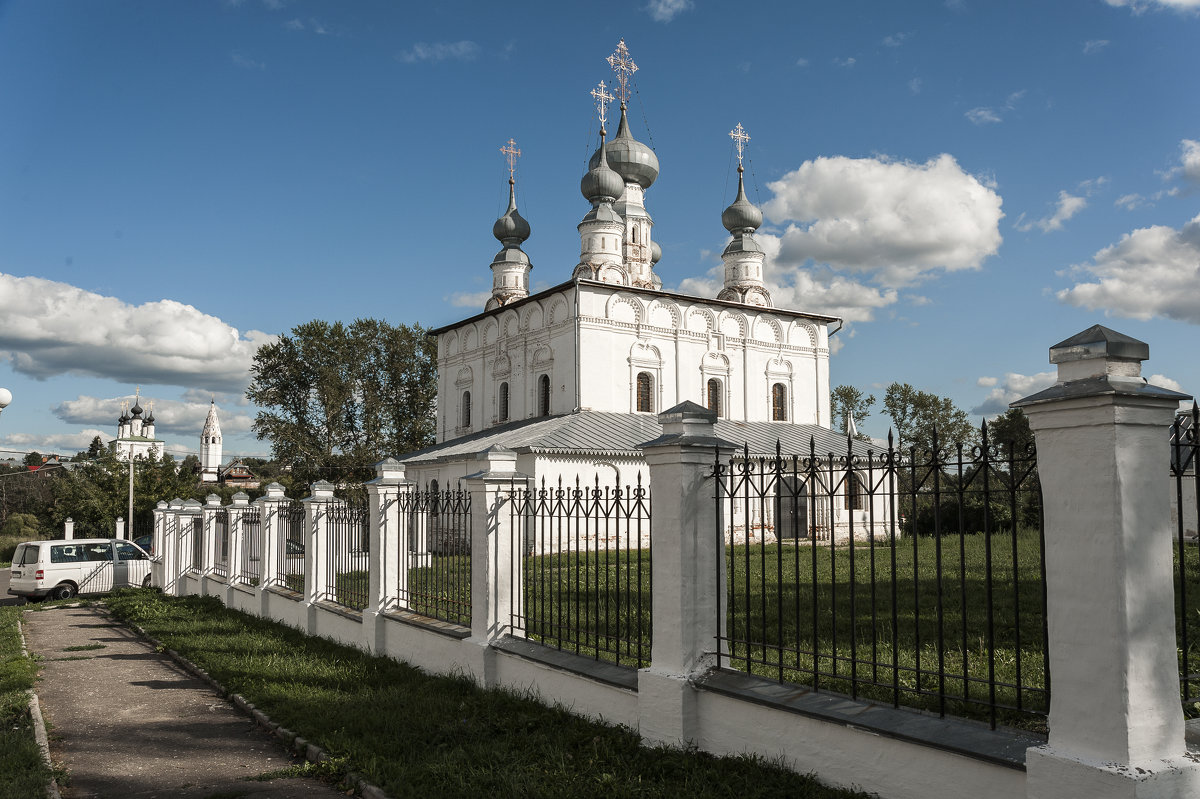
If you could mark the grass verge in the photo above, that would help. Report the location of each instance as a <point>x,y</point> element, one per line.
<point>23,773</point>
<point>419,735</point>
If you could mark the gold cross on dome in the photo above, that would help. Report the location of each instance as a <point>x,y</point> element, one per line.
<point>603,98</point>
<point>622,64</point>
<point>511,154</point>
<point>740,137</point>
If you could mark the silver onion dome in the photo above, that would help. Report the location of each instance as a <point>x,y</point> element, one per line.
<point>512,226</point>
<point>633,161</point>
<point>601,181</point>
<point>742,216</point>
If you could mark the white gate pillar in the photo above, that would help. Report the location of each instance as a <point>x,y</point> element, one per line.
<point>686,607</point>
<point>238,510</point>
<point>316,546</point>
<point>270,564</point>
<point>388,549</point>
<point>1116,723</point>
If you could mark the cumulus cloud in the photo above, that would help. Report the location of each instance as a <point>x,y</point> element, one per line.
<point>185,418</point>
<point>464,50</point>
<point>1012,388</point>
<point>1140,6</point>
<point>49,328</point>
<point>1094,46</point>
<point>56,443</point>
<point>1068,206</point>
<point>1190,160</point>
<point>470,299</point>
<point>1150,272</point>
<point>667,10</point>
<point>896,221</point>
<point>1130,201</point>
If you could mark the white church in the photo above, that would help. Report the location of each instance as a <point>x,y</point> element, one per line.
<point>135,432</point>
<point>572,378</point>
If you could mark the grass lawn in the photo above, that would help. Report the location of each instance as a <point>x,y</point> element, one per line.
<point>23,774</point>
<point>420,735</point>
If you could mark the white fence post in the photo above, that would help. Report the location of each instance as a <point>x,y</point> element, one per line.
<point>119,532</point>
<point>316,545</point>
<point>388,548</point>
<point>686,609</point>
<point>237,544</point>
<point>208,537</point>
<point>496,573</point>
<point>272,535</point>
<point>1116,724</point>
<point>69,529</point>
<point>189,519</point>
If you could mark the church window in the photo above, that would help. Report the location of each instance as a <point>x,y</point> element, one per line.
<point>854,492</point>
<point>635,235</point>
<point>644,399</point>
<point>544,395</point>
<point>504,402</point>
<point>714,395</point>
<point>778,403</point>
<point>466,409</point>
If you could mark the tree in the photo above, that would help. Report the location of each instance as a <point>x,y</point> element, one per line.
<point>849,400</point>
<point>916,414</point>
<point>95,448</point>
<point>33,458</point>
<point>1010,431</point>
<point>337,399</point>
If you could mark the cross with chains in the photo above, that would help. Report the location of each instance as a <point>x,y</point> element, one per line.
<point>603,98</point>
<point>622,64</point>
<point>740,137</point>
<point>511,154</point>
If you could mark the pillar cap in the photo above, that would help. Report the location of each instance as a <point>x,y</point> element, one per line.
<point>274,491</point>
<point>1100,362</point>
<point>688,424</point>
<point>388,470</point>
<point>241,498</point>
<point>498,462</point>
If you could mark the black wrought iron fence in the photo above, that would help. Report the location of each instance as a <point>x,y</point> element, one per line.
<point>250,568</point>
<point>346,555</point>
<point>584,565</point>
<point>434,572</point>
<point>290,556</point>
<point>1185,512</point>
<point>914,577</point>
<point>221,543</point>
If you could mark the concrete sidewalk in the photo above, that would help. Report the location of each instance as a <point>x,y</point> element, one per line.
<point>127,722</point>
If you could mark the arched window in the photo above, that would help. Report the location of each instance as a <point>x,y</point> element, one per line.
<point>504,402</point>
<point>854,492</point>
<point>466,409</point>
<point>544,395</point>
<point>635,234</point>
<point>778,403</point>
<point>714,395</point>
<point>644,385</point>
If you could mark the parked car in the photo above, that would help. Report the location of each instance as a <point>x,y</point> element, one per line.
<point>146,542</point>
<point>61,569</point>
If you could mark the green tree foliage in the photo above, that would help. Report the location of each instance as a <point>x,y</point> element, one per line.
<point>848,399</point>
<point>1010,432</point>
<point>96,447</point>
<point>33,458</point>
<point>336,399</point>
<point>916,414</point>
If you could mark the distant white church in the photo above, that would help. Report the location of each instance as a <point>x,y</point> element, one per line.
<point>572,378</point>
<point>135,433</point>
<point>210,446</point>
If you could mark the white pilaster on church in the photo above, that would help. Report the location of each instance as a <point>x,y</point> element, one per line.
<point>210,446</point>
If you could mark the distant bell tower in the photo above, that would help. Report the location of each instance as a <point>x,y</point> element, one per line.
<point>210,446</point>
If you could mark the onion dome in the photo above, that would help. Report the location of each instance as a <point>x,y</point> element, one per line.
<point>742,216</point>
<point>124,417</point>
<point>655,252</point>
<point>511,229</point>
<point>150,417</point>
<point>136,410</point>
<point>633,161</point>
<point>601,182</point>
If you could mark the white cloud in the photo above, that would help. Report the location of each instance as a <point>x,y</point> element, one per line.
<point>244,62</point>
<point>185,418</point>
<point>293,25</point>
<point>1068,206</point>
<point>895,220</point>
<point>464,50</point>
<point>895,39</point>
<point>982,116</point>
<point>1150,272</point>
<point>667,10</point>
<point>56,443</point>
<point>470,299</point>
<point>801,62</point>
<point>987,115</point>
<point>1130,201</point>
<point>1163,381</point>
<point>1014,387</point>
<point>914,85</point>
<point>1140,6</point>
<point>1190,160</point>
<point>845,62</point>
<point>49,328</point>
<point>1094,46</point>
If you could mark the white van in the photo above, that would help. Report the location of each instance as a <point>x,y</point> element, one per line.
<point>61,569</point>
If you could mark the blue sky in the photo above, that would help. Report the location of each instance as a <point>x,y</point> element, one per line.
<point>965,182</point>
